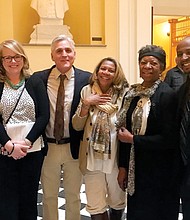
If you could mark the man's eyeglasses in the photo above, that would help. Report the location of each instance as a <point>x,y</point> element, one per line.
<point>9,59</point>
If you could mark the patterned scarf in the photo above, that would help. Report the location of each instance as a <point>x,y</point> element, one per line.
<point>100,138</point>
<point>134,91</point>
<point>138,124</point>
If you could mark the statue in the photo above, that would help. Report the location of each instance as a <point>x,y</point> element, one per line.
<point>51,13</point>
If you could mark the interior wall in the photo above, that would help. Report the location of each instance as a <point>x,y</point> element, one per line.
<point>78,19</point>
<point>161,38</point>
<point>123,36</point>
<point>87,56</point>
<point>97,22</point>
<point>6,23</point>
<point>22,18</point>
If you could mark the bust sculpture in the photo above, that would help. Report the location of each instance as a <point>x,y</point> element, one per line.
<point>50,11</point>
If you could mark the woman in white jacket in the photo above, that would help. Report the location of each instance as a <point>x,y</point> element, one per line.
<point>96,115</point>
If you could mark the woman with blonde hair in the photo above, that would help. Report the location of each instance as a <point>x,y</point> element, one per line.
<point>23,102</point>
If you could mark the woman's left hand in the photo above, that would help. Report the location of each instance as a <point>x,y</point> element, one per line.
<point>122,178</point>
<point>125,136</point>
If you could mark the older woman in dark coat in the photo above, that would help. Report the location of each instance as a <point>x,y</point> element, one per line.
<point>149,157</point>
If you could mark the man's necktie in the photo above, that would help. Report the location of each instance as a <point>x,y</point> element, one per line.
<point>59,113</point>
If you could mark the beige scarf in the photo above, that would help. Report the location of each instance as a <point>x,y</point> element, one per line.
<point>100,138</point>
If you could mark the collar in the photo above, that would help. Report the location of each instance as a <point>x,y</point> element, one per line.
<point>68,74</point>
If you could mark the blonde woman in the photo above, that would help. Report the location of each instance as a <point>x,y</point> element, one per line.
<point>23,99</point>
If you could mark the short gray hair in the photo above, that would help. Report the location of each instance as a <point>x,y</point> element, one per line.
<point>62,38</point>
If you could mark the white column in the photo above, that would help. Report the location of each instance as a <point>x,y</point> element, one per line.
<point>134,32</point>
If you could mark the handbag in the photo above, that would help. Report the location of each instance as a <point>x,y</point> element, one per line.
<point>19,131</point>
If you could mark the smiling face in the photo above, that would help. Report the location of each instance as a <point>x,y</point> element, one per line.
<point>11,63</point>
<point>150,70</point>
<point>183,54</point>
<point>63,55</point>
<point>106,74</point>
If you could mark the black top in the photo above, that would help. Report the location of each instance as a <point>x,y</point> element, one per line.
<point>175,78</point>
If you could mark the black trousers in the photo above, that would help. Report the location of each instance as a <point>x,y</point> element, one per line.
<point>185,192</point>
<point>19,180</point>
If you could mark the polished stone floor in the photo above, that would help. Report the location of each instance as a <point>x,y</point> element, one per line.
<point>61,204</point>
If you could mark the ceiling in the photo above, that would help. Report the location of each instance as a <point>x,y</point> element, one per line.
<point>157,19</point>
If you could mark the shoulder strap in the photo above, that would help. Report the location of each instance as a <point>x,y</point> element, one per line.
<point>15,105</point>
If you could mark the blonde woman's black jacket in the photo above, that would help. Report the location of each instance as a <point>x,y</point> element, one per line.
<point>38,93</point>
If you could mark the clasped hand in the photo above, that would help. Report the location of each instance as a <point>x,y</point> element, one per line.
<point>20,149</point>
<point>125,136</point>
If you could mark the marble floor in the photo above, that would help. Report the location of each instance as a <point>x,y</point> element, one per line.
<point>61,204</point>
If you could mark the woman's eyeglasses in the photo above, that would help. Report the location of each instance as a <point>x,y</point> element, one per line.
<point>9,59</point>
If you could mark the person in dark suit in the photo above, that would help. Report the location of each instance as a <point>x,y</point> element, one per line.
<point>183,54</point>
<point>63,153</point>
<point>149,157</point>
<point>175,77</point>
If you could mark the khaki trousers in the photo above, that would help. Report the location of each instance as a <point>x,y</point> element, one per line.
<point>103,192</point>
<point>59,158</point>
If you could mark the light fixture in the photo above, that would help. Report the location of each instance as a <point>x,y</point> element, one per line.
<point>166,28</point>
